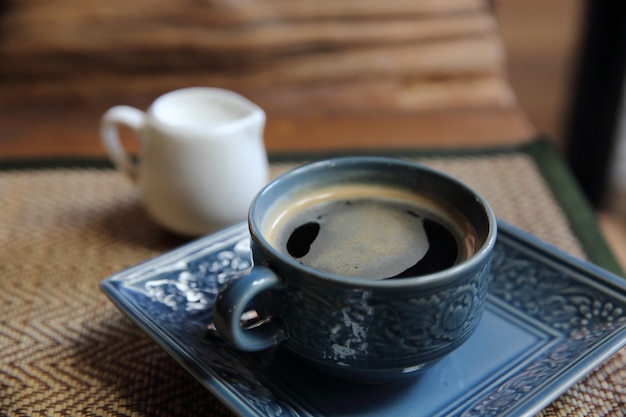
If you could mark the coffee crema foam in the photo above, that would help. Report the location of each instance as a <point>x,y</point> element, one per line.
<point>370,231</point>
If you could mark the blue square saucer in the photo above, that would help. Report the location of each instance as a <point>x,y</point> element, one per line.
<point>549,320</point>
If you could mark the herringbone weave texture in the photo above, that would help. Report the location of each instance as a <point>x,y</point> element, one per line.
<point>65,350</point>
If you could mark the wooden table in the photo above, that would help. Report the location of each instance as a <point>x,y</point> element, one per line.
<point>37,130</point>
<point>407,75</point>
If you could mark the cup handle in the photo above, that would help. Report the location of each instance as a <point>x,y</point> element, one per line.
<point>231,303</point>
<point>128,116</point>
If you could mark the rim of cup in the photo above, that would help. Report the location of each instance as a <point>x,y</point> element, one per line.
<point>450,274</point>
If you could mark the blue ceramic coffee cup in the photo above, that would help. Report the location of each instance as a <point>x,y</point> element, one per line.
<point>364,328</point>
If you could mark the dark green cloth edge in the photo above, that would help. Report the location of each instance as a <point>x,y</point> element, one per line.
<point>54,163</point>
<point>577,208</point>
<point>549,161</point>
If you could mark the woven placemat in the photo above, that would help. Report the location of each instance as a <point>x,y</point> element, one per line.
<point>65,350</point>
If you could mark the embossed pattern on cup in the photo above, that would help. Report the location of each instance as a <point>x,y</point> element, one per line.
<point>360,329</point>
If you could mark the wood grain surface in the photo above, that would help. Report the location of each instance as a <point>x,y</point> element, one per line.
<point>330,75</point>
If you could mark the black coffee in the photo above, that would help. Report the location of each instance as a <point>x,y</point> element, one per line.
<point>370,232</point>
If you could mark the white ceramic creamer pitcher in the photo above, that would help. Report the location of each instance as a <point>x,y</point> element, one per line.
<point>202,158</point>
